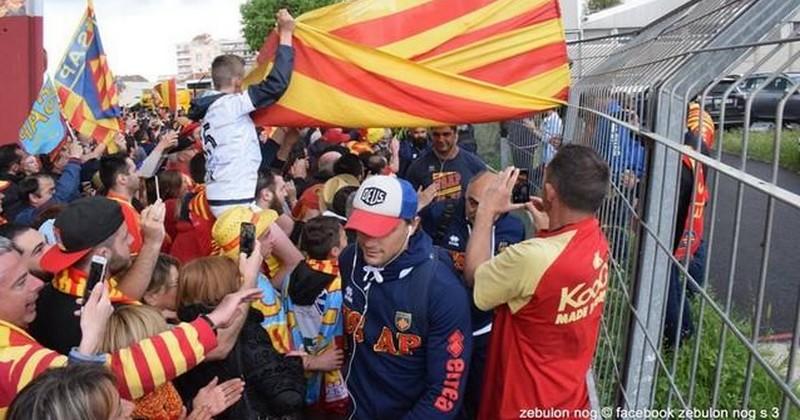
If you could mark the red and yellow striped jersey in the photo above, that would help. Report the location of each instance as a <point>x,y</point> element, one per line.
<point>139,369</point>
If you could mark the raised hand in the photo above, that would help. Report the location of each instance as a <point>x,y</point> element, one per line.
<point>94,317</point>
<point>218,397</point>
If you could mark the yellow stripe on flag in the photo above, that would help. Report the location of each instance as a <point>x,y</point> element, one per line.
<point>425,77</point>
<point>153,361</point>
<point>497,48</point>
<point>339,15</point>
<point>359,111</point>
<point>489,15</point>
<point>550,82</point>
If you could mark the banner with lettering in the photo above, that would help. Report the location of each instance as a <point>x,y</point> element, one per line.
<point>44,128</point>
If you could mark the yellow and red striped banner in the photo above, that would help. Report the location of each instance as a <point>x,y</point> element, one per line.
<point>86,86</point>
<point>166,94</point>
<point>406,63</point>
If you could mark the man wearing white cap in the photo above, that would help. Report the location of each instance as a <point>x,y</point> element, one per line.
<point>407,317</point>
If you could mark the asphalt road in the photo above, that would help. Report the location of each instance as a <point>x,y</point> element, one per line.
<point>782,285</point>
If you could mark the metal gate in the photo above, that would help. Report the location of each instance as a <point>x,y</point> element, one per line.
<point>732,304</point>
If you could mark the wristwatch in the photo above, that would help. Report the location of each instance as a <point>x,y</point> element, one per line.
<point>210,322</point>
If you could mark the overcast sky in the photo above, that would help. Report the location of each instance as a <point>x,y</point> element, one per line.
<point>139,36</point>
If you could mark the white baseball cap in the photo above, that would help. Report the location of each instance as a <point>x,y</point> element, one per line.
<point>380,204</point>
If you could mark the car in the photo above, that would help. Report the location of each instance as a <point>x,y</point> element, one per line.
<point>765,103</point>
<point>734,102</point>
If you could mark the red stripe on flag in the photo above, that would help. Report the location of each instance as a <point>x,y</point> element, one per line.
<point>391,93</point>
<point>267,52</point>
<point>397,26</point>
<point>535,16</point>
<point>521,67</point>
<point>185,347</point>
<point>173,95</point>
<point>100,133</point>
<point>286,117</point>
<point>163,356</point>
<point>145,376</point>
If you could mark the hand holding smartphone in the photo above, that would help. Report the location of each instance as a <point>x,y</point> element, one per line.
<point>97,272</point>
<point>521,192</point>
<point>247,238</point>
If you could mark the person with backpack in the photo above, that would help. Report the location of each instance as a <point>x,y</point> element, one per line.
<point>407,317</point>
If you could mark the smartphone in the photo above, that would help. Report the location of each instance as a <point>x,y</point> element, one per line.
<point>97,272</point>
<point>247,238</point>
<point>521,192</point>
<point>158,191</point>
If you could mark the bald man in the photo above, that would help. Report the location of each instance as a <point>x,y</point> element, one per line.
<point>508,230</point>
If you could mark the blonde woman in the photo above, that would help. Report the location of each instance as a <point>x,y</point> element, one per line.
<point>79,391</point>
<point>130,324</point>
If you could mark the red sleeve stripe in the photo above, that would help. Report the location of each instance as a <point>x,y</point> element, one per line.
<point>145,376</point>
<point>163,355</point>
<point>185,346</point>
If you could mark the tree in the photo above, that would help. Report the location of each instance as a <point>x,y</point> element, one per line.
<point>258,16</point>
<point>598,5</point>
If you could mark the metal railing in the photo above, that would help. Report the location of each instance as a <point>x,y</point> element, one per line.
<point>716,330</point>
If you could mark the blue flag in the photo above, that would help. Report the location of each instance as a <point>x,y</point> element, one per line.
<point>44,129</point>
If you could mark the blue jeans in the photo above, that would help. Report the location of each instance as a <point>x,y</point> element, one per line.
<point>696,269</point>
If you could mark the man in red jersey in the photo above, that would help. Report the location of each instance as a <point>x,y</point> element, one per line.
<point>547,292</point>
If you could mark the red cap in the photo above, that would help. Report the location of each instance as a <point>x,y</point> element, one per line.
<point>372,224</point>
<point>308,200</point>
<point>335,136</point>
<point>189,129</point>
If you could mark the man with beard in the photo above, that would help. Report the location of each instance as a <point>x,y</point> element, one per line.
<point>451,168</point>
<point>271,194</point>
<point>119,177</point>
<point>93,226</point>
<point>32,245</point>
<point>413,146</point>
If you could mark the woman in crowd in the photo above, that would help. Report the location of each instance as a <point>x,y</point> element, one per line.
<point>79,391</point>
<point>274,383</point>
<point>129,324</point>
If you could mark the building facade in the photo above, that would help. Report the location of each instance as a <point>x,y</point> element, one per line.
<point>194,58</point>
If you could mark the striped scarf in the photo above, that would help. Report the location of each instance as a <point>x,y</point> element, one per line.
<point>73,282</point>
<point>325,388</point>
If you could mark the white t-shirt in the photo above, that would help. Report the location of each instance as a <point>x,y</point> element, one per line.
<point>231,146</point>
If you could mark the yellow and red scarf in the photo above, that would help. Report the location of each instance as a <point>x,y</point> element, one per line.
<point>73,282</point>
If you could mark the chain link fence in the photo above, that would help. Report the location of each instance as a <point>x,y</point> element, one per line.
<point>701,316</point>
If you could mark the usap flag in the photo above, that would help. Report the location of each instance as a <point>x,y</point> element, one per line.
<point>44,129</point>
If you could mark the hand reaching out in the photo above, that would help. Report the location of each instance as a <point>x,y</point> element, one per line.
<point>425,197</point>
<point>218,397</point>
<point>226,311</point>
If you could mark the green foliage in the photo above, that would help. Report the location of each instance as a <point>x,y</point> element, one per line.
<point>760,147</point>
<point>258,16</point>
<point>598,5</point>
<point>764,392</point>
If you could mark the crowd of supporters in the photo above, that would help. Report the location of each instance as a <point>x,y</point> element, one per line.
<point>388,277</point>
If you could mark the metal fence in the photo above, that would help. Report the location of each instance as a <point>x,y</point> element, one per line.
<point>716,331</point>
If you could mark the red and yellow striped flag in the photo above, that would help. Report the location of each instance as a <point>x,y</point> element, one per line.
<point>406,63</point>
<point>86,87</point>
<point>166,94</point>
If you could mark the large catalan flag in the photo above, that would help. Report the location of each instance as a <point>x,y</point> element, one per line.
<point>86,86</point>
<point>404,63</point>
<point>167,94</point>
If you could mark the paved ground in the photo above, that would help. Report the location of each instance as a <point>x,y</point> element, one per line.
<point>782,291</point>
